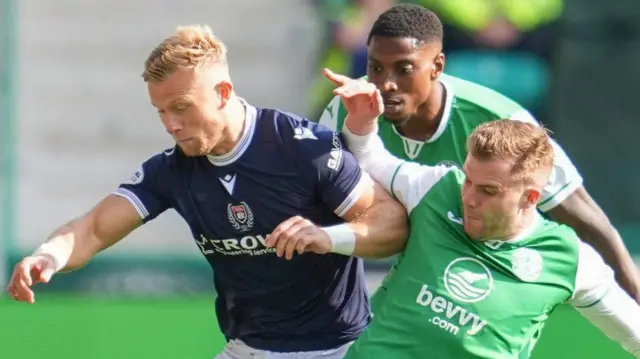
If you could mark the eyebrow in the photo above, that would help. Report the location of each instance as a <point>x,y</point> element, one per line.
<point>401,61</point>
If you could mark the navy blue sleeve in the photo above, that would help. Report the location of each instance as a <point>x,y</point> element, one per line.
<point>149,189</point>
<point>340,181</point>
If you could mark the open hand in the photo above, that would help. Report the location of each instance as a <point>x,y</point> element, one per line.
<point>30,271</point>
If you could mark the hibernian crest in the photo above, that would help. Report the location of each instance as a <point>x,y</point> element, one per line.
<point>240,216</point>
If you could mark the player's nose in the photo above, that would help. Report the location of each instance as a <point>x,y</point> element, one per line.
<point>388,84</point>
<point>172,126</point>
<point>469,200</point>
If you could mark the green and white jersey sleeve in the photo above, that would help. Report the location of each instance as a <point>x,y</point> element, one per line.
<point>565,178</point>
<point>408,182</point>
<point>600,299</point>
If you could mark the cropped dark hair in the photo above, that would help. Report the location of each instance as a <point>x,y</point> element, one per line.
<point>408,21</point>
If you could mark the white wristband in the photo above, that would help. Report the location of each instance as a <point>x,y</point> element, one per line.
<point>59,255</point>
<point>343,239</point>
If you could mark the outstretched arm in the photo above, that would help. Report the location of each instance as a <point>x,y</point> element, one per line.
<point>75,243</point>
<point>601,300</point>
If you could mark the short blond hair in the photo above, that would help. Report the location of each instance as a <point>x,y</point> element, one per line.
<point>527,145</point>
<point>189,47</point>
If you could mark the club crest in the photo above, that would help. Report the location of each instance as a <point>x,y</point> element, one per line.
<point>240,216</point>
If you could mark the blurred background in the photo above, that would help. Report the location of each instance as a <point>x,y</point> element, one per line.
<point>76,121</point>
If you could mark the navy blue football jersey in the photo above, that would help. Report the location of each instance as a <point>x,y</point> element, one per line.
<point>282,166</point>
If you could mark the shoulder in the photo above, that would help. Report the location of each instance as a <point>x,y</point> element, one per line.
<point>469,95</point>
<point>301,136</point>
<point>169,160</point>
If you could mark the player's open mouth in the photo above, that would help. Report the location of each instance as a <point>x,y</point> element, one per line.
<point>393,105</point>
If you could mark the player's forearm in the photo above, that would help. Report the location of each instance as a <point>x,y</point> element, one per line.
<point>379,232</point>
<point>382,231</point>
<point>617,316</point>
<point>72,245</point>
<point>78,241</point>
<point>373,157</point>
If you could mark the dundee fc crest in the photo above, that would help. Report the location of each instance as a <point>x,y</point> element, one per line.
<point>240,216</point>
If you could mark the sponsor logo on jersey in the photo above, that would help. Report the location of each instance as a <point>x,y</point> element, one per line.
<point>137,177</point>
<point>466,280</point>
<point>335,155</point>
<point>526,264</point>
<point>240,216</point>
<point>247,245</point>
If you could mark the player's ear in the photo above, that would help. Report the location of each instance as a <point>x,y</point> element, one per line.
<point>224,90</point>
<point>531,197</point>
<point>438,66</point>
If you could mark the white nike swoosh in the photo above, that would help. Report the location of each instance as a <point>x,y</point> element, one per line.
<point>453,218</point>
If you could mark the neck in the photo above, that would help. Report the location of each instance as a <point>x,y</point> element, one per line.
<point>234,113</point>
<point>425,122</point>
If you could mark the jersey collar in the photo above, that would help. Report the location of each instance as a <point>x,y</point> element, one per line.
<point>244,142</point>
<point>446,115</point>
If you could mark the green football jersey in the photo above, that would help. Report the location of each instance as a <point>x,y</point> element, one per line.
<point>467,106</point>
<point>452,297</point>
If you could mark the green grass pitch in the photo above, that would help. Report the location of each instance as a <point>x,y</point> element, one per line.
<point>65,327</point>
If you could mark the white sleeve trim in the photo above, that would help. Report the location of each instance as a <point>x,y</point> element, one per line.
<point>363,183</point>
<point>554,200</point>
<point>134,200</point>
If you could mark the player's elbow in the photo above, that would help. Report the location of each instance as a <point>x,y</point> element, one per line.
<point>388,230</point>
<point>397,228</point>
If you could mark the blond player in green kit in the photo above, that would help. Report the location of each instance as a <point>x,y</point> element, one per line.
<point>483,270</point>
<point>429,115</point>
